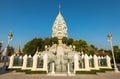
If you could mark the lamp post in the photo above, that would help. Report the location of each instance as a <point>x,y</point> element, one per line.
<point>110,41</point>
<point>5,52</point>
<point>10,35</point>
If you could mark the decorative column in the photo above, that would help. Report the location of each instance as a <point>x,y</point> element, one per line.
<point>45,62</point>
<point>35,57</point>
<point>11,61</point>
<point>24,62</point>
<point>75,62</point>
<point>86,58</point>
<point>53,68</point>
<point>108,61</point>
<point>96,62</point>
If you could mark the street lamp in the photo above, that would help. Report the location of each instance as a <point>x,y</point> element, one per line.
<point>5,52</point>
<point>110,40</point>
<point>10,35</point>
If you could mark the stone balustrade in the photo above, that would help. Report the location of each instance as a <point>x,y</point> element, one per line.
<point>34,63</point>
<point>40,63</point>
<point>86,63</point>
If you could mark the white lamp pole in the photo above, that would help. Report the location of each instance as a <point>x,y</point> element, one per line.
<point>10,35</point>
<point>5,52</point>
<point>110,41</point>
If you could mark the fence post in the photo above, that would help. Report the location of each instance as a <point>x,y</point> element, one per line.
<point>96,62</point>
<point>11,61</point>
<point>86,58</point>
<point>24,62</point>
<point>75,63</point>
<point>35,57</point>
<point>45,62</point>
<point>108,61</point>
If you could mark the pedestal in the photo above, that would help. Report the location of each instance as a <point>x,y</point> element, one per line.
<point>53,68</point>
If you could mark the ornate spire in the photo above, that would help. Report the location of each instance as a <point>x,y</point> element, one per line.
<point>18,52</point>
<point>59,27</point>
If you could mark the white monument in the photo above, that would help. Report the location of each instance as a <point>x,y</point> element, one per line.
<point>60,58</point>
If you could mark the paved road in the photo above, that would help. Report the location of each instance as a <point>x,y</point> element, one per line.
<point>14,75</point>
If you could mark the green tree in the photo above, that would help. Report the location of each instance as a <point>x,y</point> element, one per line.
<point>81,45</point>
<point>54,40</point>
<point>65,40</point>
<point>76,43</point>
<point>70,41</point>
<point>47,41</point>
<point>92,49</point>
<point>31,46</point>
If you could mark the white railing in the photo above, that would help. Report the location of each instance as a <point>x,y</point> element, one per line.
<point>86,63</point>
<point>40,62</point>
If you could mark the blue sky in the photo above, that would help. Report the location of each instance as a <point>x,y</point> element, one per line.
<point>90,20</point>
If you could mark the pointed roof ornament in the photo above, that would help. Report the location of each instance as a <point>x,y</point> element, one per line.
<point>59,7</point>
<point>59,28</point>
<point>18,51</point>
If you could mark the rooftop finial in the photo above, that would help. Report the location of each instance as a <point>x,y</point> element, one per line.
<point>59,7</point>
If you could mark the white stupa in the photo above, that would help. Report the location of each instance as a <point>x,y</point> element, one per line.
<point>59,28</point>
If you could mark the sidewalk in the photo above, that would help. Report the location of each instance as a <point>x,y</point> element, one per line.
<point>14,75</point>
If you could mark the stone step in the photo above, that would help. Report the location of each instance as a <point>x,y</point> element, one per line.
<point>107,72</point>
<point>112,72</point>
<point>60,74</point>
